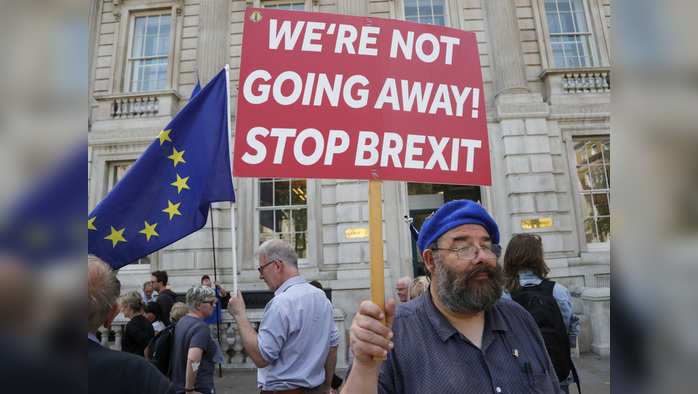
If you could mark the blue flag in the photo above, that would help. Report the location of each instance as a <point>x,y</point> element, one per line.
<point>166,194</point>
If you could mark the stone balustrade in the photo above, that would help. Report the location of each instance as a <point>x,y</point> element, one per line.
<point>231,343</point>
<point>563,85</point>
<point>586,81</point>
<point>136,105</point>
<point>133,107</point>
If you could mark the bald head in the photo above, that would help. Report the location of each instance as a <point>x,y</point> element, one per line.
<point>402,286</point>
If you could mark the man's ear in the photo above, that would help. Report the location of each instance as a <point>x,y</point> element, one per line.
<point>428,256</point>
<point>112,315</point>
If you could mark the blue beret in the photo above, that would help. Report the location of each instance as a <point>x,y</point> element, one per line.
<point>453,214</point>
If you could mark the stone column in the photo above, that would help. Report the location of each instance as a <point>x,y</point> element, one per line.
<point>214,33</point>
<point>505,47</point>
<point>597,308</point>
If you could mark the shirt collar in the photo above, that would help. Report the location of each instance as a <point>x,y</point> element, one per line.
<point>290,282</point>
<point>93,338</point>
<point>444,329</point>
<point>527,274</point>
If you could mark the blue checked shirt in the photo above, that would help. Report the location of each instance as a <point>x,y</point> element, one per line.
<point>431,356</point>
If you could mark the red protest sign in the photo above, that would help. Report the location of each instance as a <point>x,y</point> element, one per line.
<point>335,96</point>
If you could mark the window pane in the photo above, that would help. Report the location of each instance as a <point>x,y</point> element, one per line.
<point>553,23</point>
<point>151,28</point>
<point>137,50</point>
<point>165,25</point>
<point>298,192</point>
<point>601,204</point>
<point>550,5</point>
<point>608,175</point>
<point>266,221</point>
<point>282,220</point>
<point>598,177</point>
<point>563,5</point>
<point>266,194</point>
<point>300,220</point>
<point>580,22</point>
<point>150,43</point>
<point>604,225</point>
<point>439,20</point>
<point>566,24</point>
<point>139,26</point>
<point>163,43</point>
<point>301,245</point>
<point>281,192</point>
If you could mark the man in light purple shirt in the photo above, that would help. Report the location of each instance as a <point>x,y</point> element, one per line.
<point>296,347</point>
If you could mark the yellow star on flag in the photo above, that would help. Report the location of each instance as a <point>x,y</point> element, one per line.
<point>149,230</point>
<point>181,183</point>
<point>176,156</point>
<point>91,223</point>
<point>172,209</point>
<point>164,136</point>
<point>116,236</point>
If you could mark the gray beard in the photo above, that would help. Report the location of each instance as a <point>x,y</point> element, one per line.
<point>453,291</point>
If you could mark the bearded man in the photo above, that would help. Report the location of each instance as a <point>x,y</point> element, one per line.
<point>459,336</point>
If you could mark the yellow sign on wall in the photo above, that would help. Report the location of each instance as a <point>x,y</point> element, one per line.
<point>356,233</point>
<point>536,223</point>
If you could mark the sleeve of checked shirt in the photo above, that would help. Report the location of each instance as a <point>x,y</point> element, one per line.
<point>273,331</point>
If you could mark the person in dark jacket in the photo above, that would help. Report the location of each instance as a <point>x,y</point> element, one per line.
<point>138,331</point>
<point>110,371</point>
<point>166,297</point>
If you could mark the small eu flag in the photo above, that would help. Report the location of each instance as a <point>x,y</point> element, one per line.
<point>166,194</point>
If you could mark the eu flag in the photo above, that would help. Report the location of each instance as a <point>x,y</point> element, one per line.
<point>167,192</point>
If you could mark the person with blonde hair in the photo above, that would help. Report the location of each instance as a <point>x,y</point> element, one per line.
<point>179,309</point>
<point>417,287</point>
<point>138,331</point>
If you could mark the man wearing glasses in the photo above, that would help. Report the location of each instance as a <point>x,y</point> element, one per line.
<point>460,336</point>
<point>296,347</point>
<point>401,288</point>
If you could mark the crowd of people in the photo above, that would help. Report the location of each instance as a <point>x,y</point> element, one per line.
<point>468,326</point>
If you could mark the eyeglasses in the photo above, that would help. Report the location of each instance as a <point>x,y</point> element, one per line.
<point>263,266</point>
<point>469,252</point>
<point>212,302</point>
<point>400,288</point>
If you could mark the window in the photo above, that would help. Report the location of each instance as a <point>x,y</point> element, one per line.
<point>432,12</point>
<point>283,212</point>
<point>593,156</point>
<point>148,54</point>
<point>570,35</point>
<point>117,170</point>
<point>281,5</point>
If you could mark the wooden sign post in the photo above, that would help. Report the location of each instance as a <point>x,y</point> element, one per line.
<point>375,241</point>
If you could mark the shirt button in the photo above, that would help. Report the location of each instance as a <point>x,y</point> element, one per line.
<point>498,389</point>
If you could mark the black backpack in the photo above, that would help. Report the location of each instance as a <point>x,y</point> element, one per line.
<point>540,303</point>
<point>160,349</point>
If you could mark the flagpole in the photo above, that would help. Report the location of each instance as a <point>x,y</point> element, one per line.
<point>232,204</point>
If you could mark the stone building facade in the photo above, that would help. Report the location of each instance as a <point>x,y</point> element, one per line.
<point>546,71</point>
